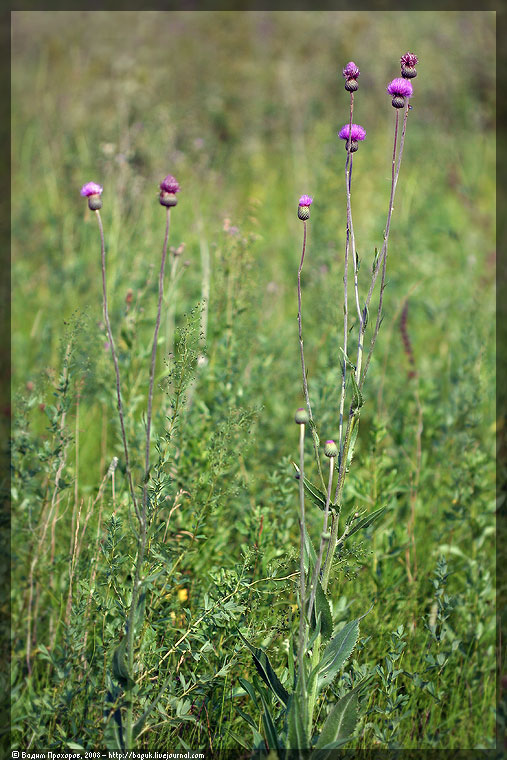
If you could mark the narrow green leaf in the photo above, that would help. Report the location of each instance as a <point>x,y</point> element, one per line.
<point>266,672</point>
<point>316,496</point>
<point>242,742</point>
<point>336,653</point>
<point>269,725</point>
<point>366,521</point>
<point>322,608</point>
<point>250,690</point>
<point>245,717</point>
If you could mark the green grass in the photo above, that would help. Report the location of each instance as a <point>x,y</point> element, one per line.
<point>244,108</point>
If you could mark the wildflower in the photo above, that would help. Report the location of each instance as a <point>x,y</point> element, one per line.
<point>357,133</point>
<point>168,189</point>
<point>304,207</point>
<point>400,89</point>
<point>351,72</point>
<point>92,191</point>
<point>408,63</point>
<point>330,449</point>
<point>302,417</point>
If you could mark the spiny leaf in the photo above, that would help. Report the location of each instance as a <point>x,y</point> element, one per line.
<point>341,721</point>
<point>336,653</point>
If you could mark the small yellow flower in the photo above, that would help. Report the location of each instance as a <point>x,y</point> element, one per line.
<point>183,594</point>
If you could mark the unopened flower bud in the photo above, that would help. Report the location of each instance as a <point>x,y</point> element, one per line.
<point>302,417</point>
<point>351,85</point>
<point>330,449</point>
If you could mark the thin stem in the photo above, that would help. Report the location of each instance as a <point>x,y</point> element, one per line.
<point>348,178</point>
<point>302,590</point>
<point>303,367</point>
<point>116,367</point>
<point>154,357</point>
<point>394,181</point>
<point>323,540</point>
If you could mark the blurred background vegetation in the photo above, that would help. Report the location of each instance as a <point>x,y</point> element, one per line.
<point>243,108</point>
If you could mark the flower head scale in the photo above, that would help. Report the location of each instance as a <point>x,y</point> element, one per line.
<point>305,200</point>
<point>356,132</point>
<point>409,59</point>
<point>351,71</point>
<point>170,184</point>
<point>400,87</point>
<point>91,188</point>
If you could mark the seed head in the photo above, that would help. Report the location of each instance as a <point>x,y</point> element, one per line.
<point>302,417</point>
<point>330,449</point>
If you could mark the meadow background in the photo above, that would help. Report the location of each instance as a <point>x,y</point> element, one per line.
<point>243,108</point>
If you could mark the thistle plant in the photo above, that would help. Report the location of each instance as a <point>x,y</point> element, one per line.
<point>290,716</point>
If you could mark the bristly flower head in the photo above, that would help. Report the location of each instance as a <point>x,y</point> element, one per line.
<point>400,87</point>
<point>409,59</point>
<point>357,133</point>
<point>408,64</point>
<point>92,191</point>
<point>170,184</point>
<point>351,72</point>
<point>91,188</point>
<point>168,189</point>
<point>304,207</point>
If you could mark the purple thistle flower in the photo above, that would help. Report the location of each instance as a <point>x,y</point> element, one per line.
<point>400,87</point>
<point>91,188</point>
<point>170,184</point>
<point>351,71</point>
<point>356,133</point>
<point>409,59</point>
<point>305,200</point>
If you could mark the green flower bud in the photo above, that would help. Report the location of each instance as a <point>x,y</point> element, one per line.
<point>330,449</point>
<point>302,417</point>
